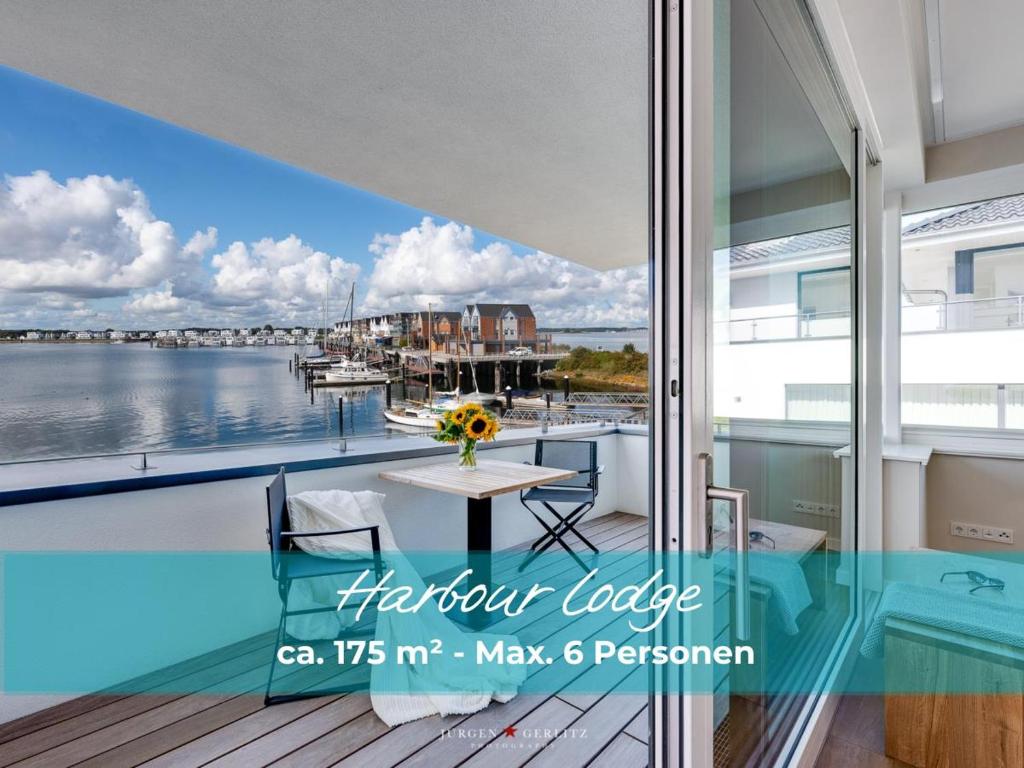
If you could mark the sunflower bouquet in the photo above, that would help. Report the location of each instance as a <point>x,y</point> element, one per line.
<point>464,426</point>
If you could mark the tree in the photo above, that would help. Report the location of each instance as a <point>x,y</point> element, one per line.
<point>268,328</point>
<point>629,349</point>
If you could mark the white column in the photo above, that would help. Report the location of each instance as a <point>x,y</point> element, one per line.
<point>871,306</point>
<point>891,309</point>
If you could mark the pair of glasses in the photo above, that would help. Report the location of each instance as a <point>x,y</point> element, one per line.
<point>757,537</point>
<point>979,579</point>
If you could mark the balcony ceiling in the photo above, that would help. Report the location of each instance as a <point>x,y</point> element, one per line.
<point>524,119</point>
<point>976,59</point>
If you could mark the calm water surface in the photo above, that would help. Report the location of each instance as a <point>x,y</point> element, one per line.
<point>611,341</point>
<point>79,399</point>
<point>76,399</point>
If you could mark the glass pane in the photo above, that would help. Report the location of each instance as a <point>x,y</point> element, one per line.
<point>963,315</point>
<point>782,374</point>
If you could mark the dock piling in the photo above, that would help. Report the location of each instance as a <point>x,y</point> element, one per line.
<point>508,398</point>
<point>547,400</point>
<point>387,392</point>
<point>342,442</point>
<point>565,387</point>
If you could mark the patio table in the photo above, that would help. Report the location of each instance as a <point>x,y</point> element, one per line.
<point>491,478</point>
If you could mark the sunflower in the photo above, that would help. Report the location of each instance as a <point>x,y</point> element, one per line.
<point>492,430</point>
<point>478,426</point>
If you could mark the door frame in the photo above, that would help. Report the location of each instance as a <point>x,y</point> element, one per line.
<point>682,229</point>
<point>682,184</point>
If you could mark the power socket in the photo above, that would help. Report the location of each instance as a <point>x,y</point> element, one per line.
<point>981,532</point>
<point>819,508</point>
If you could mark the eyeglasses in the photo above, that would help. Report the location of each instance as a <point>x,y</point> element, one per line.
<point>979,579</point>
<point>757,537</point>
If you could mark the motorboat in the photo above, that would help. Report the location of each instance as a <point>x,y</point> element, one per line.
<point>419,415</point>
<point>480,398</point>
<point>349,372</point>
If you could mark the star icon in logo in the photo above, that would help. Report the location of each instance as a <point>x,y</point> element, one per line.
<point>510,731</point>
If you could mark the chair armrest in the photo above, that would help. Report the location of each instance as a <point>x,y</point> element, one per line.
<point>373,529</point>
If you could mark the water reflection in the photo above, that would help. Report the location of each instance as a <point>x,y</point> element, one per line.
<point>75,399</point>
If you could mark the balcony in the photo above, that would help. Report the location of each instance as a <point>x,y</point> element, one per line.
<point>224,730</point>
<point>214,500</point>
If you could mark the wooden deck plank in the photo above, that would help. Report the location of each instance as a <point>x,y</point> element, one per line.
<point>518,707</point>
<point>200,751</point>
<point>164,739</point>
<point>602,722</point>
<point>128,709</point>
<point>405,738</point>
<point>77,750</point>
<point>95,701</point>
<point>623,752</point>
<point>336,745</point>
<point>396,744</point>
<point>235,730</point>
<point>276,744</point>
<point>640,727</point>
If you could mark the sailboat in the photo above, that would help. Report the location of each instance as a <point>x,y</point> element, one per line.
<point>425,416</point>
<point>476,396</point>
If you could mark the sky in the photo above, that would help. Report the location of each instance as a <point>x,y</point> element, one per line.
<point>111,219</point>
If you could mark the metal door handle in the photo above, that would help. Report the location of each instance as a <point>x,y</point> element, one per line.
<point>740,499</point>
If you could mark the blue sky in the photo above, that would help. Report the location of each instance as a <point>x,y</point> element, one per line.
<point>275,226</point>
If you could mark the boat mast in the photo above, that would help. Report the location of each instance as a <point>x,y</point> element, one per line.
<point>323,309</point>
<point>430,354</point>
<point>458,360</point>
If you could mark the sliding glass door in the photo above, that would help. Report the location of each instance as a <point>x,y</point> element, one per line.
<point>759,364</point>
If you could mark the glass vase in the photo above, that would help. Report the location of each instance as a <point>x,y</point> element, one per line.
<point>467,455</point>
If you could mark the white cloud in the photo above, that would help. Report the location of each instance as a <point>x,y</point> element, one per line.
<point>88,237</point>
<point>285,278</point>
<point>440,264</point>
<point>69,249</point>
<point>84,240</point>
<point>156,303</point>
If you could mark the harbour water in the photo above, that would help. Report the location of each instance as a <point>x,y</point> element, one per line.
<point>613,341</point>
<point>63,400</point>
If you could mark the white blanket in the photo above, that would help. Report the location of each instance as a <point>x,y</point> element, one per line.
<point>399,693</point>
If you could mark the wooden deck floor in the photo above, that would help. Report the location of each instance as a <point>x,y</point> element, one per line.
<point>564,730</point>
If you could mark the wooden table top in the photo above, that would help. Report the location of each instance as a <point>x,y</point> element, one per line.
<point>491,478</point>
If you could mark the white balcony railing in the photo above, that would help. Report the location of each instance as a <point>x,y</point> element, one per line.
<point>942,315</point>
<point>808,325</point>
<point>964,315</point>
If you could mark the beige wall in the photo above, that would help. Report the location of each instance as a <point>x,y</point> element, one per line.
<point>777,474</point>
<point>974,489</point>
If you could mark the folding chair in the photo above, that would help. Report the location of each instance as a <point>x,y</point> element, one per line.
<point>581,490</point>
<point>288,563</point>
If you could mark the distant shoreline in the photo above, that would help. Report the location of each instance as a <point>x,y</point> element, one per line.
<point>596,329</point>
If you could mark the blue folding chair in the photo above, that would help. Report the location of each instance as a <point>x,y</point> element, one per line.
<point>288,563</point>
<point>581,491</point>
